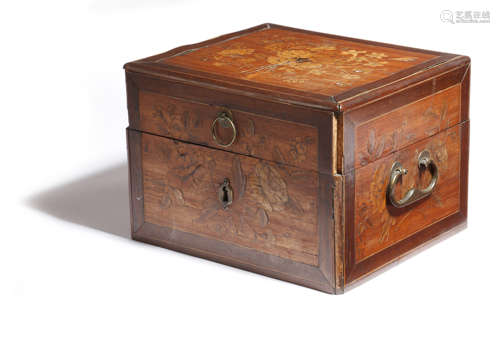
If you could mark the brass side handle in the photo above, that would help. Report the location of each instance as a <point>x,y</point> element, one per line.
<point>225,194</point>
<point>414,194</point>
<point>226,119</point>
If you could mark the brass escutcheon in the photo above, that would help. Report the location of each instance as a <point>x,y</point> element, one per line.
<point>226,119</point>
<point>414,194</point>
<point>225,193</point>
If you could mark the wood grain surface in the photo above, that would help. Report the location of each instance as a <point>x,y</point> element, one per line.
<point>258,136</point>
<point>378,224</point>
<point>275,208</point>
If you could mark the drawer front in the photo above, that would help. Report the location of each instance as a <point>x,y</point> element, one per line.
<point>256,135</point>
<point>274,208</point>
<point>380,224</point>
<point>405,125</point>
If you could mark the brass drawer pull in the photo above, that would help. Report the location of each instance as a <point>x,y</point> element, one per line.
<point>414,194</point>
<point>225,193</point>
<point>226,119</point>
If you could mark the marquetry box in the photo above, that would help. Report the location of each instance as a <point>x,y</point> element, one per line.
<point>312,158</point>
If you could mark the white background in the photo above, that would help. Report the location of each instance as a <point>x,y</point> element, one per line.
<point>67,265</point>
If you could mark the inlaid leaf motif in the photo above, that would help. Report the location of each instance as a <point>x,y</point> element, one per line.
<point>380,148</point>
<point>273,185</point>
<point>209,210</point>
<point>440,153</point>
<point>299,148</point>
<point>160,111</point>
<point>262,216</point>
<point>371,142</point>
<point>431,113</point>
<point>251,128</point>
<point>177,195</point>
<point>239,179</point>
<point>444,110</point>
<point>173,197</point>
<point>374,148</point>
<point>294,207</point>
<point>277,155</point>
<point>170,117</point>
<point>256,193</point>
<point>190,173</point>
<point>185,119</point>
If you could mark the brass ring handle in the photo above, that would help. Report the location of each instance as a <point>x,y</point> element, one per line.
<point>226,118</point>
<point>414,194</point>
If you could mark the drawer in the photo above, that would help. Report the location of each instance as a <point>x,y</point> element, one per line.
<point>382,223</point>
<point>256,135</point>
<point>274,209</point>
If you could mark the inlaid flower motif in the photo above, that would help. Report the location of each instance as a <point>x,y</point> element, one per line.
<point>354,54</point>
<point>288,56</point>
<point>273,190</point>
<point>362,57</point>
<point>323,48</point>
<point>236,52</point>
<point>297,61</point>
<point>350,76</point>
<point>377,55</point>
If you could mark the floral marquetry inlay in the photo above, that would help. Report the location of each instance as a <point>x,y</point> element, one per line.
<point>299,60</point>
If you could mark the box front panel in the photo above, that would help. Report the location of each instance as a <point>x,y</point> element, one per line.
<point>278,223</point>
<point>274,208</point>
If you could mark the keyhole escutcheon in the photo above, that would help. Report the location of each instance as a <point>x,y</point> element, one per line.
<point>225,193</point>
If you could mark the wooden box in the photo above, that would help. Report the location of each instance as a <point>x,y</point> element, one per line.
<point>312,158</point>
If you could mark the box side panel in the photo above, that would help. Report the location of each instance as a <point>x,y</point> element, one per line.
<point>376,231</point>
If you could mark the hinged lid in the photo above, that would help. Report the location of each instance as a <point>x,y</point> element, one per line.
<point>303,67</point>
